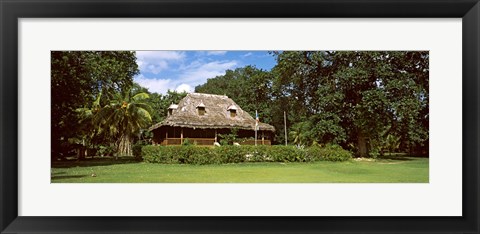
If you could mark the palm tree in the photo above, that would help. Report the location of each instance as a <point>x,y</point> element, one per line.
<point>299,133</point>
<point>392,143</point>
<point>124,118</point>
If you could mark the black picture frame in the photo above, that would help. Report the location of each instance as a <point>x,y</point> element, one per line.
<point>11,11</point>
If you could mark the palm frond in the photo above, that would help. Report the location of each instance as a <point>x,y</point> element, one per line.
<point>140,96</point>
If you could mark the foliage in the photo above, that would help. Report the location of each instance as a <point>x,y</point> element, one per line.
<point>137,151</point>
<point>238,154</point>
<point>375,153</point>
<point>328,153</point>
<point>106,150</point>
<point>352,96</point>
<point>392,143</point>
<point>299,133</point>
<point>341,97</point>
<point>124,118</point>
<point>161,102</point>
<point>229,138</point>
<point>336,153</point>
<point>231,154</point>
<point>186,142</point>
<point>249,86</point>
<point>282,153</point>
<point>77,79</point>
<point>179,154</point>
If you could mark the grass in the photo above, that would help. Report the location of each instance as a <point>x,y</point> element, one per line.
<point>393,170</point>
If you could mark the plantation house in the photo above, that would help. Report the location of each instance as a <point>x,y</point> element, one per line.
<point>202,117</point>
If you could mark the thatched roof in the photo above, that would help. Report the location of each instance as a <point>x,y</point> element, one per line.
<point>217,114</point>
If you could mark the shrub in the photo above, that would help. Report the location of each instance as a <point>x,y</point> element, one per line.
<point>232,153</point>
<point>161,154</point>
<point>230,138</point>
<point>314,153</point>
<point>199,155</point>
<point>137,151</point>
<point>187,142</point>
<point>258,153</point>
<point>328,153</point>
<point>336,153</point>
<point>374,153</point>
<point>105,150</point>
<point>237,154</point>
<point>282,153</point>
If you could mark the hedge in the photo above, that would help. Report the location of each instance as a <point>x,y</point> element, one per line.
<point>237,154</point>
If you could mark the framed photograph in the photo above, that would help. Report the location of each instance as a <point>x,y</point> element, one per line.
<point>226,116</point>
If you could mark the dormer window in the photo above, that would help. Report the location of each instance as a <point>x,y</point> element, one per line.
<point>201,108</point>
<point>233,110</point>
<point>171,108</point>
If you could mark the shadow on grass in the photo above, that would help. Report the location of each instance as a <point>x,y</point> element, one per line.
<point>402,157</point>
<point>68,177</point>
<point>92,162</point>
<point>58,173</point>
<point>397,158</point>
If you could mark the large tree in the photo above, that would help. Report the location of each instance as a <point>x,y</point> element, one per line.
<point>296,79</point>
<point>77,78</point>
<point>356,97</point>
<point>123,118</point>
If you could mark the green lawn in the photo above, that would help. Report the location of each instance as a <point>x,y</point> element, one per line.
<point>397,170</point>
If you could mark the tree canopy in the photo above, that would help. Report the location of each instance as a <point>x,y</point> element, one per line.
<point>353,98</point>
<point>78,78</point>
<point>96,106</point>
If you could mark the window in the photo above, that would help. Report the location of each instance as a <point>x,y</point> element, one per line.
<point>201,110</point>
<point>233,110</point>
<point>171,108</point>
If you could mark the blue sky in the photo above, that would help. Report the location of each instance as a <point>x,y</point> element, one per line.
<point>183,70</point>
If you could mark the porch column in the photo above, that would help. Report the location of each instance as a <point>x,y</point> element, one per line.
<point>263,139</point>
<point>166,136</point>
<point>215,135</point>
<point>181,135</point>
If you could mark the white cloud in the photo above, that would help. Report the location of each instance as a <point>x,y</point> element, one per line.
<point>199,73</point>
<point>179,73</point>
<point>155,85</point>
<point>184,88</point>
<point>160,55</point>
<point>216,52</point>
<point>248,54</point>
<point>156,68</point>
<point>157,61</point>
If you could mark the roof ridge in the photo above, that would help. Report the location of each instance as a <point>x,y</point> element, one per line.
<point>207,94</point>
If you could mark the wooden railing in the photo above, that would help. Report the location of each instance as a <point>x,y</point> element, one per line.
<point>209,141</point>
<point>195,141</point>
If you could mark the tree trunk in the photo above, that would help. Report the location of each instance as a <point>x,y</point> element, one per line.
<point>124,146</point>
<point>81,152</point>
<point>362,145</point>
